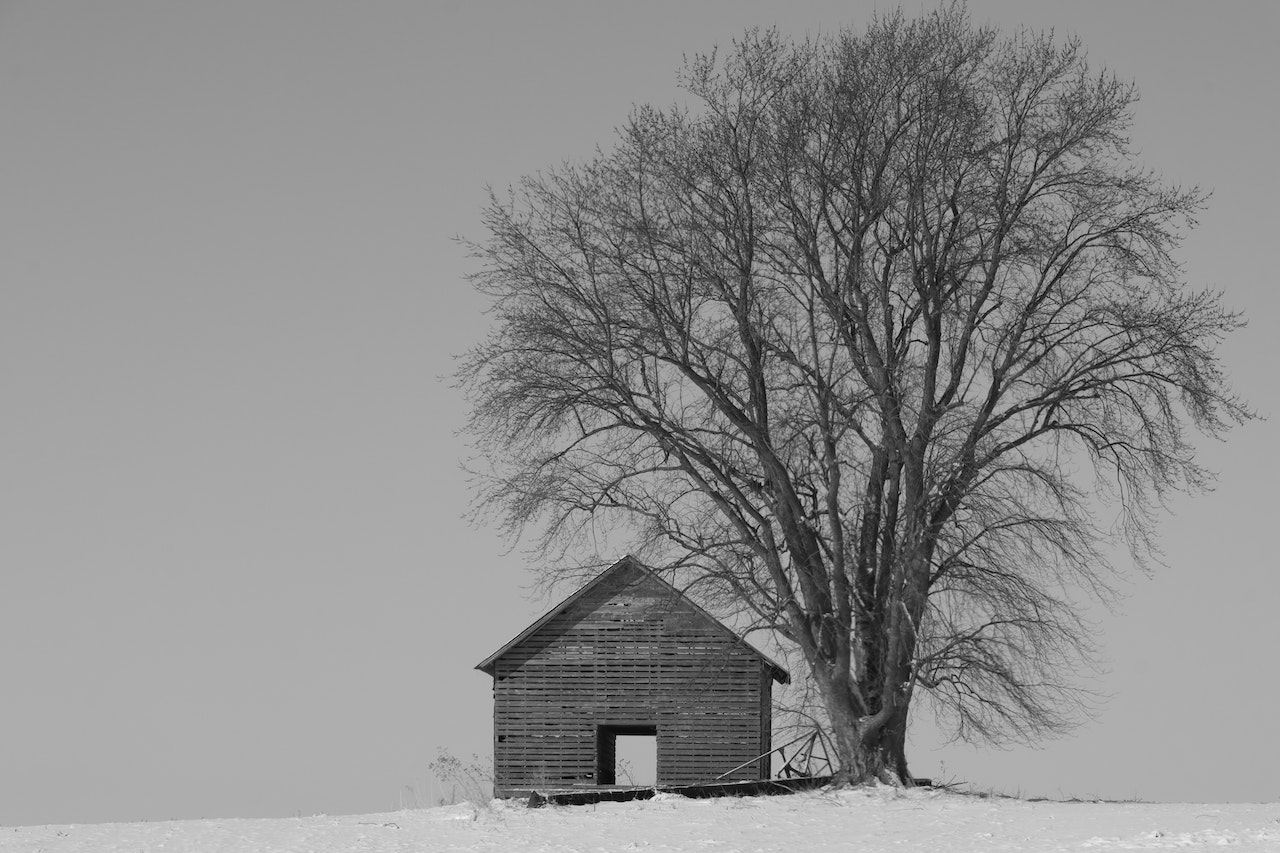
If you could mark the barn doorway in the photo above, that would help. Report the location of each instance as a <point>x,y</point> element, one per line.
<point>627,755</point>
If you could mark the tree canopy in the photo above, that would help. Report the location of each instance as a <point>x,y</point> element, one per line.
<point>861,342</point>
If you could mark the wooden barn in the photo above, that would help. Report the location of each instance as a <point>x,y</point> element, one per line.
<point>627,654</point>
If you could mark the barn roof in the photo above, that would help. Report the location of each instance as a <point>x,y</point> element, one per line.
<point>488,664</point>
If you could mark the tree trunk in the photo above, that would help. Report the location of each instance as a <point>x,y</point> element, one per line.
<point>853,766</point>
<point>863,757</point>
<point>890,744</point>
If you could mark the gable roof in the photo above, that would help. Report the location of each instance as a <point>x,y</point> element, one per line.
<point>488,664</point>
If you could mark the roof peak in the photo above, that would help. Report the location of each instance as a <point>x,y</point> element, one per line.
<point>779,673</point>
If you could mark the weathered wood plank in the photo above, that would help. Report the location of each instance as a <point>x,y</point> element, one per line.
<point>754,787</point>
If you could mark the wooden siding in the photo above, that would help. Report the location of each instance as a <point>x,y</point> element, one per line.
<point>630,652</point>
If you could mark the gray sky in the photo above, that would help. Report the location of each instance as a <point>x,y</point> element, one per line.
<point>234,580</point>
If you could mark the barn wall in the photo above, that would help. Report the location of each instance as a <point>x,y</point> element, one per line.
<point>629,652</point>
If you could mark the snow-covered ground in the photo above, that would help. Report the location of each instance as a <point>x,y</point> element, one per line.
<point>867,821</point>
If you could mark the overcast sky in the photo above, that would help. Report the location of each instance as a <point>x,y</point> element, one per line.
<point>234,577</point>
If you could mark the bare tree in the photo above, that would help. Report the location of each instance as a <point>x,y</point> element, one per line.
<point>862,345</point>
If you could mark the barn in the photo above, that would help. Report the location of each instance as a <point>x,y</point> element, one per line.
<point>625,655</point>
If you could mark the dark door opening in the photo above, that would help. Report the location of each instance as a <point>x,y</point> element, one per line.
<point>627,755</point>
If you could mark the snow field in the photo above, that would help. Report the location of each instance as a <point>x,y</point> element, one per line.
<point>866,821</point>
